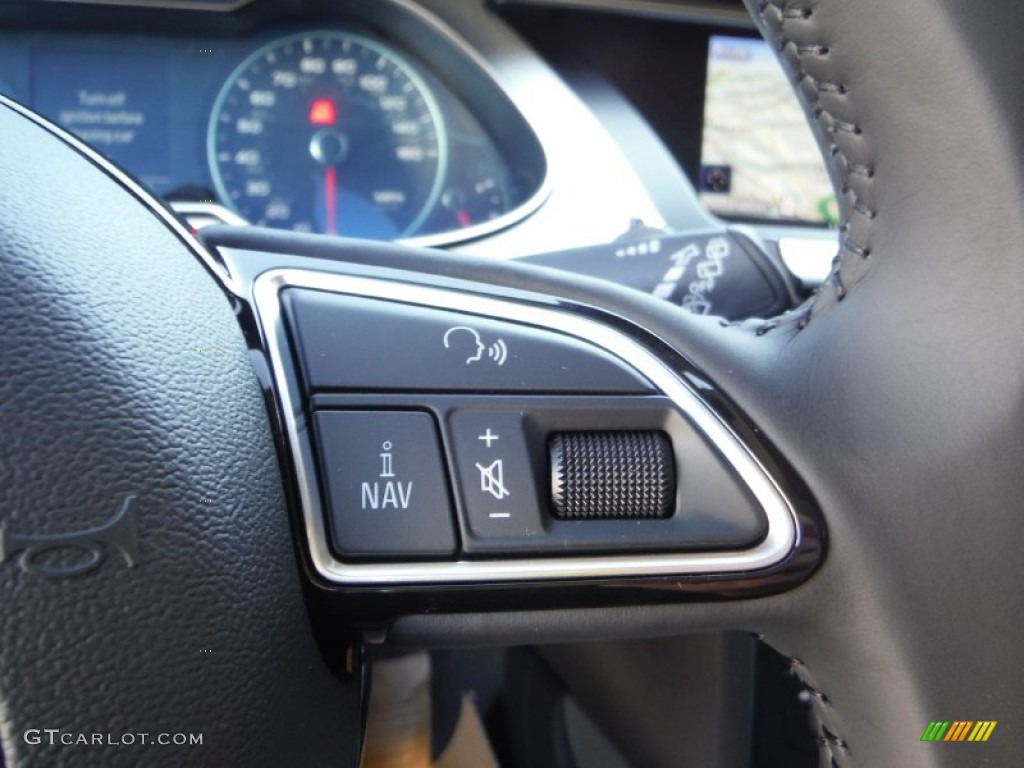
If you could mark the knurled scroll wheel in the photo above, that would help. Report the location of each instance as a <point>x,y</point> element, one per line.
<point>611,475</point>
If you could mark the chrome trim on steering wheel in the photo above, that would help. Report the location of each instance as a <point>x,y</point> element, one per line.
<point>782,536</point>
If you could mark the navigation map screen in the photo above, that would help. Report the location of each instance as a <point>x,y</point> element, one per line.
<point>758,158</point>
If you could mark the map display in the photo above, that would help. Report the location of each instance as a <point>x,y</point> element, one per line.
<point>759,159</point>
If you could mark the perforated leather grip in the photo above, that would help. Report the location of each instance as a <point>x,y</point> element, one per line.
<point>610,475</point>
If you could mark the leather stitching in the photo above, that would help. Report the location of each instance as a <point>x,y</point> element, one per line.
<point>834,749</point>
<point>855,178</point>
<point>800,55</point>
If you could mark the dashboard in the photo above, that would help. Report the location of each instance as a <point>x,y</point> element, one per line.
<point>486,128</point>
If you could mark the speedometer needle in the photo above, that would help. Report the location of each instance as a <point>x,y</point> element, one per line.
<point>330,202</point>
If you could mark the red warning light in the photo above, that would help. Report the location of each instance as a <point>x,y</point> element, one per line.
<point>321,112</point>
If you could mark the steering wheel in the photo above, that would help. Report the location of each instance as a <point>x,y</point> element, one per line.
<point>152,583</point>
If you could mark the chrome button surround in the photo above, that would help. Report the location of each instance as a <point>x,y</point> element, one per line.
<point>782,536</point>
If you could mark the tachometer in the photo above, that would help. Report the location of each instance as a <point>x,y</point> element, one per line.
<point>328,132</point>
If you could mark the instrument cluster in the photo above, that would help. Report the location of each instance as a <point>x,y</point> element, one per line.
<point>334,128</point>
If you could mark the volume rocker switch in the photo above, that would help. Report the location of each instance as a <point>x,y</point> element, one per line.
<point>496,481</point>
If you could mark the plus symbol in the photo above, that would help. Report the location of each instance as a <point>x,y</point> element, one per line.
<point>488,437</point>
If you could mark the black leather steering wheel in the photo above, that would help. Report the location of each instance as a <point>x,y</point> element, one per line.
<point>129,399</point>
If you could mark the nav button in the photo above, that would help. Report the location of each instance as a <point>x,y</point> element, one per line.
<point>387,491</point>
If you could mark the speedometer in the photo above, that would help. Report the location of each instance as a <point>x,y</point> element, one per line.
<point>328,132</point>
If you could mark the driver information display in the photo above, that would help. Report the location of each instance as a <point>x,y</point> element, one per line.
<point>120,110</point>
<point>758,158</point>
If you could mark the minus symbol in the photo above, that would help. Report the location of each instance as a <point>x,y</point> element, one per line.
<point>500,514</point>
